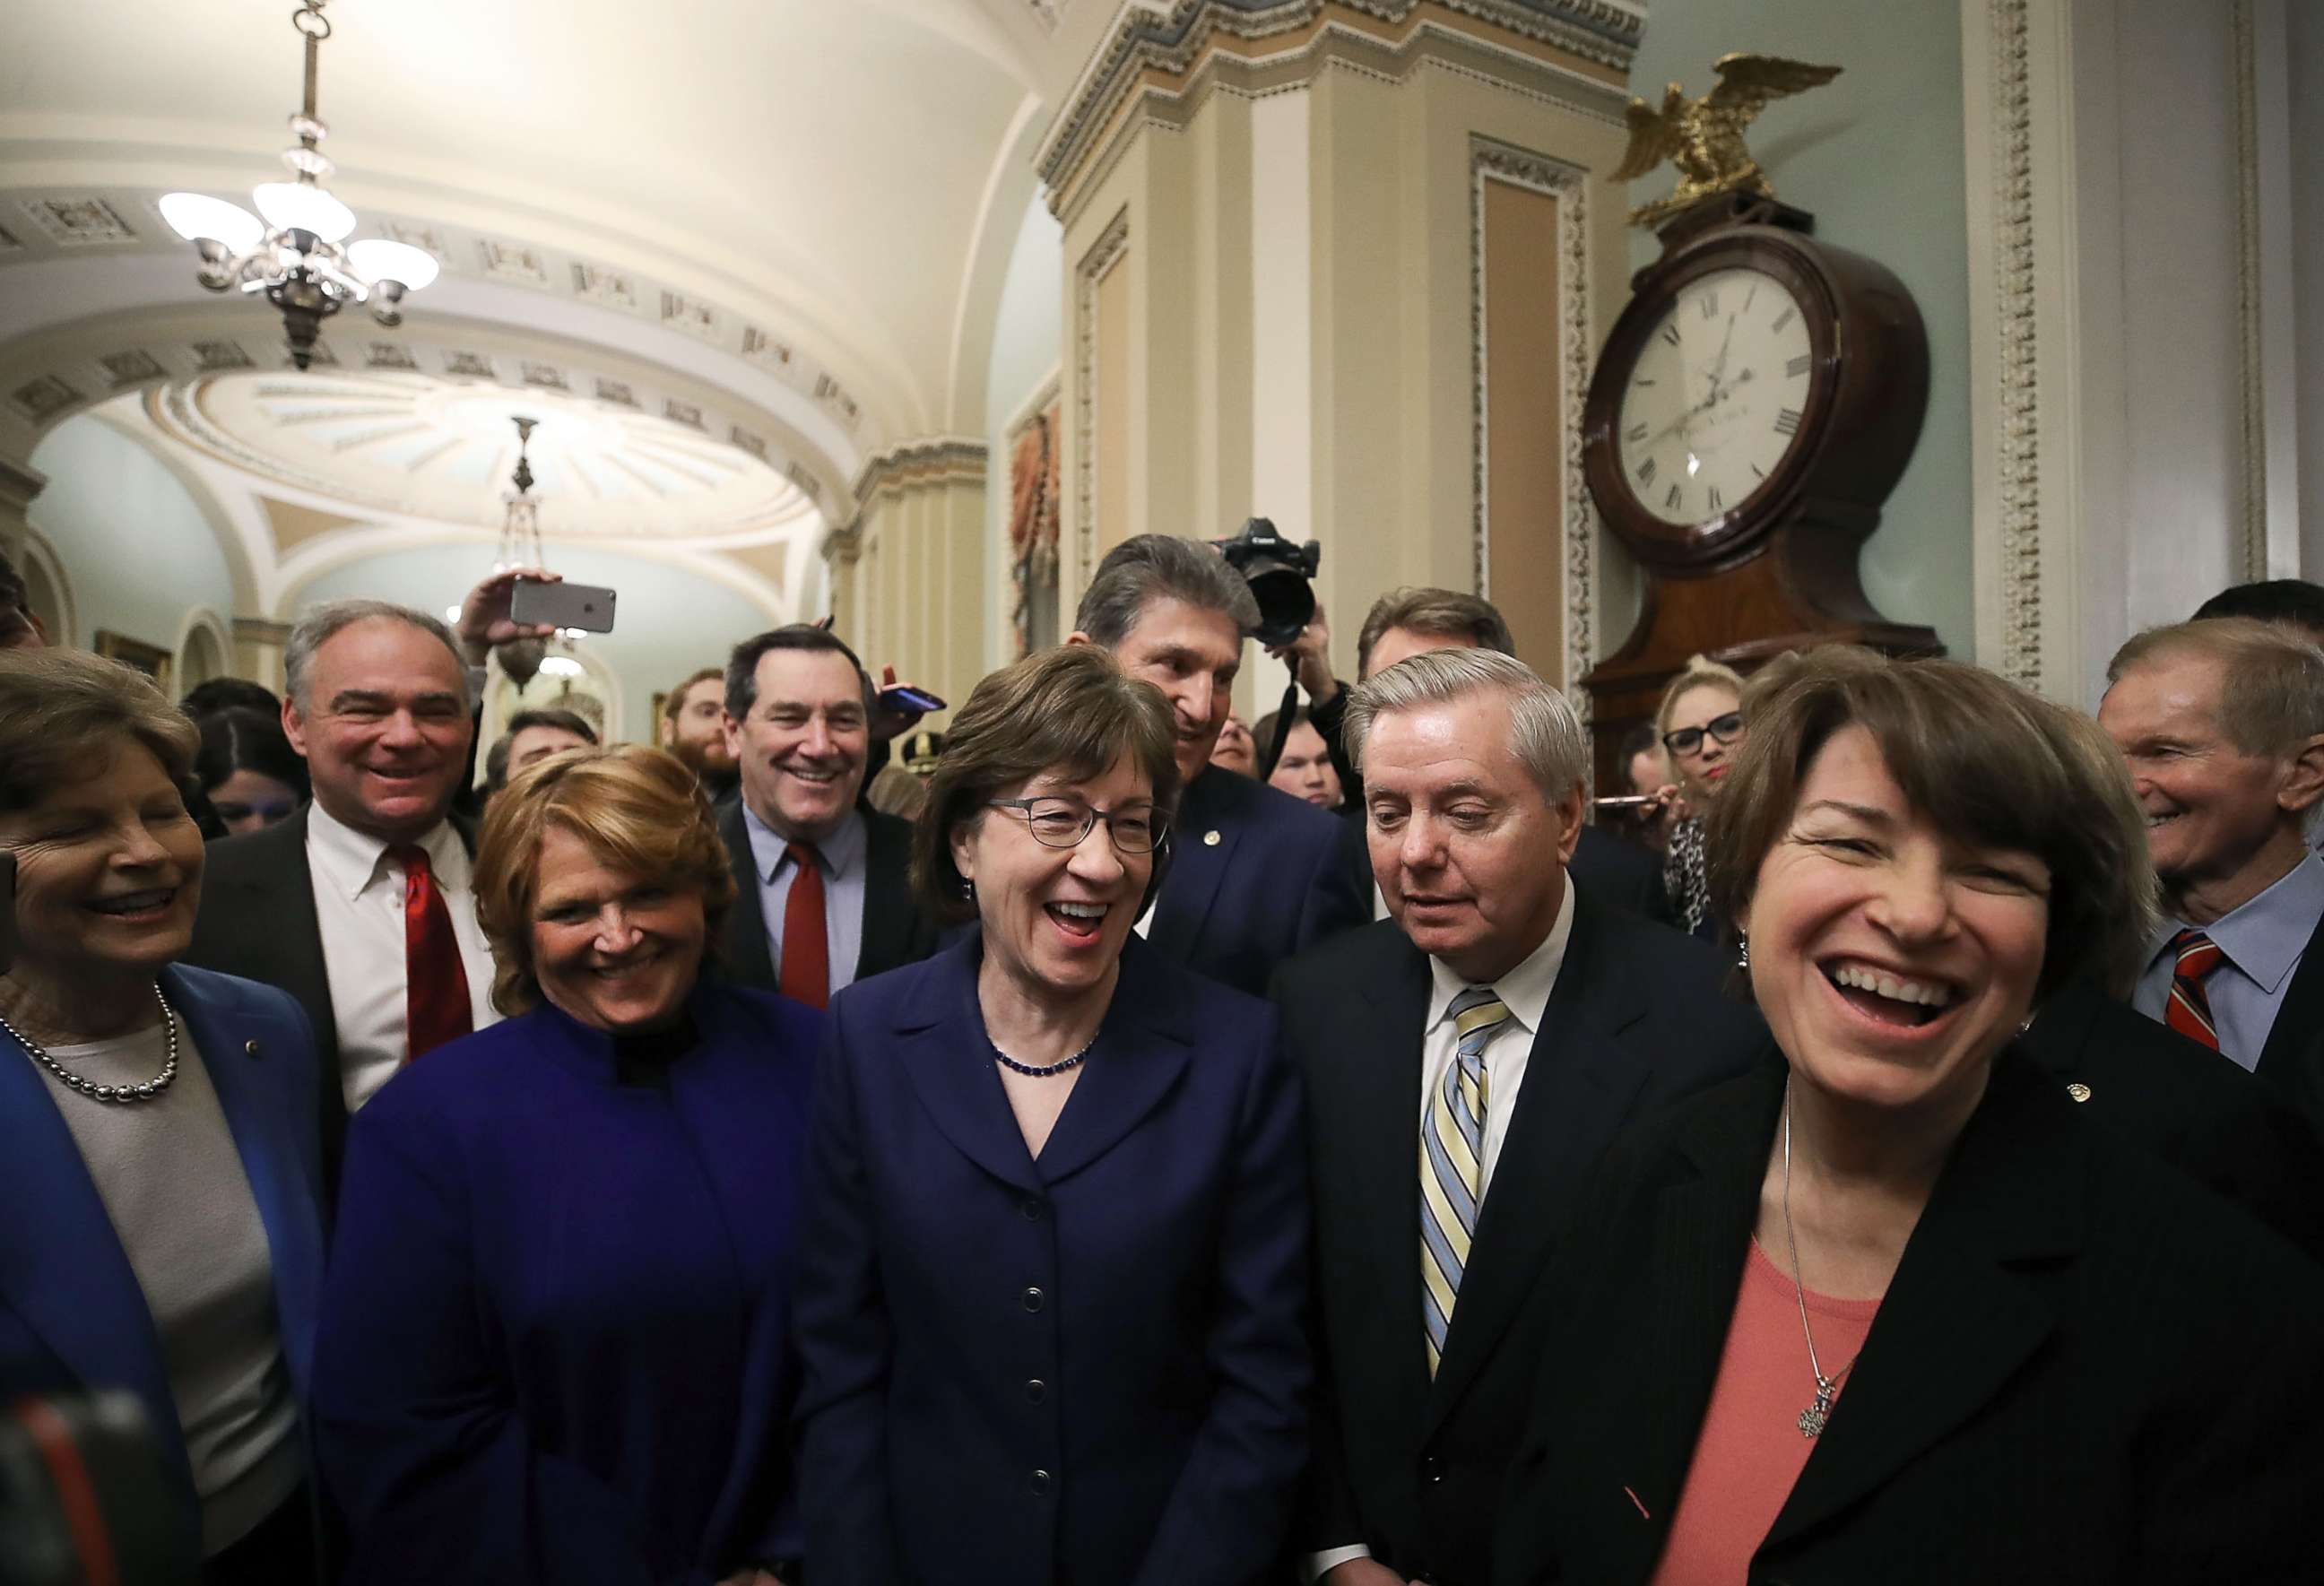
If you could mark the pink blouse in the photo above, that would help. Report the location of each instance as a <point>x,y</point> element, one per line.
<point>1751,1451</point>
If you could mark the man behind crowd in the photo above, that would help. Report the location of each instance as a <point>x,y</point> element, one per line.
<point>2222,722</point>
<point>1406,623</point>
<point>693,728</point>
<point>359,904</point>
<point>1508,1022</point>
<point>1256,875</point>
<point>825,890</point>
<point>533,736</point>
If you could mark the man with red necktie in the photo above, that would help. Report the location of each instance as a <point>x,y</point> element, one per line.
<point>2222,722</point>
<point>822,881</point>
<point>359,904</point>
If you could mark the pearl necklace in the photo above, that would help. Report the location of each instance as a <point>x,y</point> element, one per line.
<point>97,1092</point>
<point>1044,1072</point>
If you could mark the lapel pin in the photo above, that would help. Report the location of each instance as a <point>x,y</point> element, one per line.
<point>2078,1090</point>
<point>1210,839</point>
<point>250,1048</point>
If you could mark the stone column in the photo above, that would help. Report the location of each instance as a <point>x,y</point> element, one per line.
<point>912,587</point>
<point>258,644</point>
<point>1345,266</point>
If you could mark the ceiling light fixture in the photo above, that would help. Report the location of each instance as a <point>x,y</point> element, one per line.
<point>294,254</point>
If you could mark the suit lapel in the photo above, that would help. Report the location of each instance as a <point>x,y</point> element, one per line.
<point>1197,866</point>
<point>957,1086</point>
<point>748,960</point>
<point>887,895</point>
<point>1963,1311</point>
<point>1580,1084</point>
<point>288,937</point>
<point>1143,1049</point>
<point>62,1268</point>
<point>2291,1059</point>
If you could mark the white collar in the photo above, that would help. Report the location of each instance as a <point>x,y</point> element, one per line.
<point>350,860</point>
<point>1525,989</point>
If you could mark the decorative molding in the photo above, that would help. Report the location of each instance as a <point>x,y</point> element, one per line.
<point>1157,65</point>
<point>261,630</point>
<point>513,262</point>
<point>2250,223</point>
<point>133,367</point>
<point>1103,254</point>
<point>942,459</point>
<point>42,399</point>
<point>1048,13</point>
<point>844,546</point>
<point>1492,160</point>
<point>79,223</point>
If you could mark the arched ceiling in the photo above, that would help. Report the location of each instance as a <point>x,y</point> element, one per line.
<point>801,175</point>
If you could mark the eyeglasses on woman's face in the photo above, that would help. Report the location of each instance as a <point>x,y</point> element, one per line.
<point>1063,823</point>
<point>1723,730</point>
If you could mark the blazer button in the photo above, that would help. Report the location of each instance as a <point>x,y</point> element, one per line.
<point>1432,1469</point>
<point>1031,1209</point>
<point>1033,1298</point>
<point>250,1048</point>
<point>1038,1484</point>
<point>1037,1391</point>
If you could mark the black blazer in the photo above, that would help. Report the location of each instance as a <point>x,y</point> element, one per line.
<point>895,932</point>
<point>1255,877</point>
<point>2086,1370</point>
<point>2196,1110</point>
<point>1410,1467</point>
<point>1618,873</point>
<point>2292,1061</point>
<point>258,920</point>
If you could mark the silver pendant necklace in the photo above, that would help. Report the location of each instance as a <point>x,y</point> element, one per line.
<point>95,1092</point>
<point>1814,1419</point>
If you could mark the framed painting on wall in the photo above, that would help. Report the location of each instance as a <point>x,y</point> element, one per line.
<point>149,659</point>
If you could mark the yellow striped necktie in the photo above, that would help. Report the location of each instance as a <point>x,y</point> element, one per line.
<point>1452,1163</point>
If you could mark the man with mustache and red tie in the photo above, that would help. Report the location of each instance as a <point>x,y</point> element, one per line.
<point>359,904</point>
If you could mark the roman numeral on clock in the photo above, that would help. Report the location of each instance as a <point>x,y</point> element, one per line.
<point>1647,472</point>
<point>1799,365</point>
<point>1787,422</point>
<point>1635,432</point>
<point>1717,503</point>
<point>1786,317</point>
<point>1710,305</point>
<point>1671,501</point>
<point>1670,334</point>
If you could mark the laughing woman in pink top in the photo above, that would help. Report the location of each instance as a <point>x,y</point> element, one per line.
<point>1894,1309</point>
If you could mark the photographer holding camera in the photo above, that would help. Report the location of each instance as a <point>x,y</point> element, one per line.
<point>1256,875</point>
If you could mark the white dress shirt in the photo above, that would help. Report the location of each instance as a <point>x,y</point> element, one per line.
<point>359,906</point>
<point>1524,991</point>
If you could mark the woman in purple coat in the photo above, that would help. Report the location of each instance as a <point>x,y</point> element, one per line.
<point>553,1337</point>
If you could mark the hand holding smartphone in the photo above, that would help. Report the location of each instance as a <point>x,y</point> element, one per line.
<point>587,607</point>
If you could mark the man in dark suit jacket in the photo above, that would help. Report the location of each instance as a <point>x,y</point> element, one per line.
<point>798,720</point>
<point>1499,993</point>
<point>1256,875</point>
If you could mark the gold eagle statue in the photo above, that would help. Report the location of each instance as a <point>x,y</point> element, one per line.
<point>1705,137</point>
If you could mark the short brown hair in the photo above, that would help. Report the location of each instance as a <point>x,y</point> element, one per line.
<point>57,705</point>
<point>1441,613</point>
<point>2271,700</point>
<point>1072,709</point>
<point>674,701</point>
<point>1982,757</point>
<point>635,807</point>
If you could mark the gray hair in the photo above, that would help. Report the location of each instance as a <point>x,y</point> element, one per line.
<point>323,621</point>
<point>2272,697</point>
<point>1545,734</point>
<point>1158,567</point>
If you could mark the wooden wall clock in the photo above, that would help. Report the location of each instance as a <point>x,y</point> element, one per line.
<point>1756,402</point>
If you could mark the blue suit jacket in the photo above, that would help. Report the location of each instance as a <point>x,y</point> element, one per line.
<point>555,1334</point>
<point>72,1315</point>
<point>1089,1368</point>
<point>1256,877</point>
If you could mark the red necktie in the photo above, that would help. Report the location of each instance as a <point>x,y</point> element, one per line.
<point>436,1008</point>
<point>806,975</point>
<point>2188,1011</point>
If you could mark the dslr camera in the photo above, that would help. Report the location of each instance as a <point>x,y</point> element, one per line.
<point>1277,572</point>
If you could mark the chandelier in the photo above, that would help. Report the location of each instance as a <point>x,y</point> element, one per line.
<point>294,254</point>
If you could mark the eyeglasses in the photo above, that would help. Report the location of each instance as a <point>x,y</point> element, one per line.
<point>1726,729</point>
<point>1063,823</point>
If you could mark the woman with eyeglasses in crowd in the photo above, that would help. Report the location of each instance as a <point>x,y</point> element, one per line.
<point>1054,1246</point>
<point>1701,723</point>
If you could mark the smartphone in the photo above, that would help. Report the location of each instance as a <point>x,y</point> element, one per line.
<point>7,912</point>
<point>904,696</point>
<point>1624,801</point>
<point>587,607</point>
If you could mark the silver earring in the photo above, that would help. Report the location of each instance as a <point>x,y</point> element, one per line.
<point>1743,952</point>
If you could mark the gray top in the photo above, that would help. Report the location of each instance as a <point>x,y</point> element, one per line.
<point>172,1183</point>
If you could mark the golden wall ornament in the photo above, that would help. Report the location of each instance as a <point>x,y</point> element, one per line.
<point>1705,137</point>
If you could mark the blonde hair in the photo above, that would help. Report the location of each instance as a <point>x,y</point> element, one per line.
<point>1700,671</point>
<point>636,808</point>
<point>58,705</point>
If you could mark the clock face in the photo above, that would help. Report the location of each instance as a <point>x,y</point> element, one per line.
<point>1715,400</point>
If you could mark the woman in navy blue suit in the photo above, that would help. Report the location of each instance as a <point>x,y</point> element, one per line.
<point>554,1332</point>
<point>158,1153</point>
<point>1053,1275</point>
